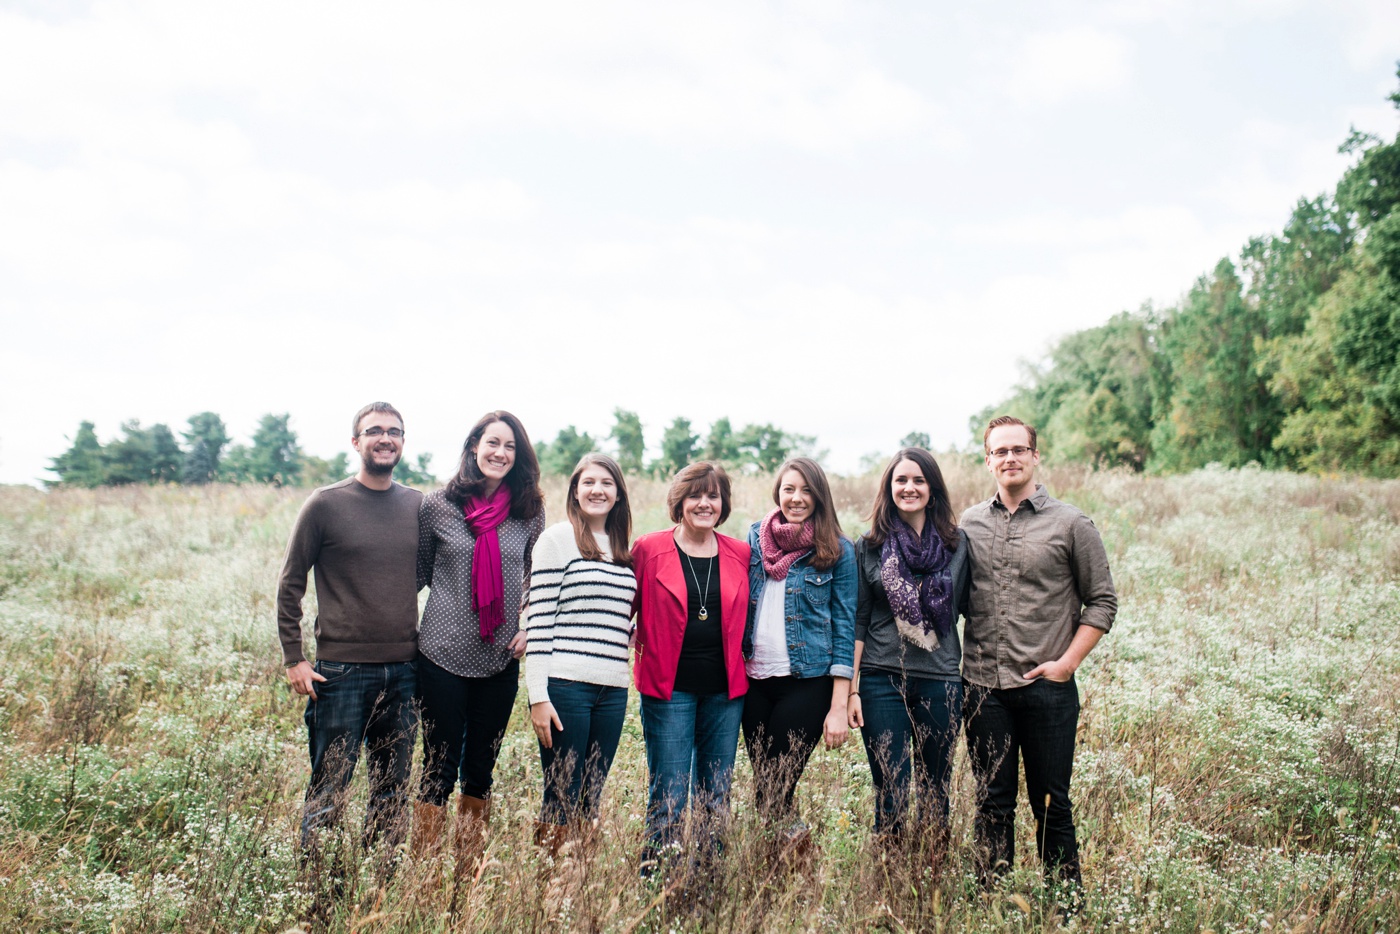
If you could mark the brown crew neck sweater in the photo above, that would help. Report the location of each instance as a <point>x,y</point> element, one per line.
<point>363,546</point>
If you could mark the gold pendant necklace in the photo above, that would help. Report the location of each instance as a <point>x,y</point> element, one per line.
<point>704,613</point>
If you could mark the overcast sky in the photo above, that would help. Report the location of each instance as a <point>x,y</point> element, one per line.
<point>849,219</point>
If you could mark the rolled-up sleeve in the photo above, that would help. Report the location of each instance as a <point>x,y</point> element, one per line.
<point>1092,577</point>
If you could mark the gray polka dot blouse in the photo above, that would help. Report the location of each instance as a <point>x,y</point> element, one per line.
<point>450,634</point>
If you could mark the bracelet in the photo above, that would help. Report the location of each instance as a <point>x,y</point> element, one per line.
<point>853,694</point>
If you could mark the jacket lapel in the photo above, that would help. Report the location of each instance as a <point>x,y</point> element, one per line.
<point>670,573</point>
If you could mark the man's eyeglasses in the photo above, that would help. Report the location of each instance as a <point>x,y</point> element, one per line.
<point>1018,450</point>
<point>377,432</point>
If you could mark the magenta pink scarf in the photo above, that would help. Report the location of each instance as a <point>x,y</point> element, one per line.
<point>488,589</point>
<point>782,543</point>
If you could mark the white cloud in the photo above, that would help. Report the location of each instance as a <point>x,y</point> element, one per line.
<point>1053,67</point>
<point>721,74</point>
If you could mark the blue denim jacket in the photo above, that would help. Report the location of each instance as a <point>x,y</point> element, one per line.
<point>820,607</point>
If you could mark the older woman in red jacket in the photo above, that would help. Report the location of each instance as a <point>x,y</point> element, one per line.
<point>691,604</point>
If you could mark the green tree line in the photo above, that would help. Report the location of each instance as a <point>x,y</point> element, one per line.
<point>760,448</point>
<point>1289,358</point>
<point>154,455</point>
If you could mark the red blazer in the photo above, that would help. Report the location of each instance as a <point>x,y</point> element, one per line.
<point>660,607</point>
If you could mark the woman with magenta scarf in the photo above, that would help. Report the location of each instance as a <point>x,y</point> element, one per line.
<point>912,575</point>
<point>475,538</point>
<point>798,644</point>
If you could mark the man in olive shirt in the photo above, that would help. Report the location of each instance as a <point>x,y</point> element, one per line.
<point>361,537</point>
<point>1040,598</point>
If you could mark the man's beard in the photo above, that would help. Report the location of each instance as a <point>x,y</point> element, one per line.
<point>376,469</point>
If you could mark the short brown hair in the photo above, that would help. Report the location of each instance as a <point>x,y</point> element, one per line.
<point>381,407</point>
<point>1002,420</point>
<point>701,477</point>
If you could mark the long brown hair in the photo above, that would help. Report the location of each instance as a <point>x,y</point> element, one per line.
<point>523,481</point>
<point>826,528</point>
<point>939,510</point>
<point>618,523</point>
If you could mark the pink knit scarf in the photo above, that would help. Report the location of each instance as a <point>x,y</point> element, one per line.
<point>488,588</point>
<point>782,543</point>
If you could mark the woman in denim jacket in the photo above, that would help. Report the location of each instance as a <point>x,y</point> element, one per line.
<point>799,641</point>
<point>912,575</point>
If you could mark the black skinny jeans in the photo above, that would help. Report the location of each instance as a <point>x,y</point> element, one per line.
<point>464,721</point>
<point>783,719</point>
<point>1036,725</point>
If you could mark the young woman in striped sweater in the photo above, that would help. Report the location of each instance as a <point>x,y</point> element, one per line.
<point>577,628</point>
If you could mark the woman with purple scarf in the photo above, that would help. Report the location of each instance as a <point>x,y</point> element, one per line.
<point>475,538</point>
<point>912,573</point>
<point>798,643</point>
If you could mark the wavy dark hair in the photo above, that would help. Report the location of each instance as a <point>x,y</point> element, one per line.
<point>939,510</point>
<point>826,528</point>
<point>523,481</point>
<point>619,520</point>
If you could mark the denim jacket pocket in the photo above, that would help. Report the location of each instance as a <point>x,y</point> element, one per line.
<point>816,587</point>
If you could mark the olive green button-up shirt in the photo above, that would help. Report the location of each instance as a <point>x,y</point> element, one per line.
<point>1037,573</point>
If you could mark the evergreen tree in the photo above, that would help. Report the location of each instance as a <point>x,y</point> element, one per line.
<point>275,456</point>
<point>140,455</point>
<point>561,456</point>
<point>236,465</point>
<point>627,435</point>
<point>721,445</point>
<point>82,464</point>
<point>678,447</point>
<point>206,437</point>
<point>764,447</point>
<point>319,472</point>
<point>166,456</point>
<point>915,439</point>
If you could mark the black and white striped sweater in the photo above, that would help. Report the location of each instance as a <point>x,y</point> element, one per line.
<point>579,616</point>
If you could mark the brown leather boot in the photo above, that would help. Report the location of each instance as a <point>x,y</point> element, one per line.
<point>469,833</point>
<point>428,823</point>
<point>551,837</point>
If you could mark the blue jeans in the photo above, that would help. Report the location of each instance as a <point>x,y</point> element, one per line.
<point>577,765</point>
<point>691,741</point>
<point>1035,724</point>
<point>903,713</point>
<point>367,704</point>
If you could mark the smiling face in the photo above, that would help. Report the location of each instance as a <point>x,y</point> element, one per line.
<point>596,495</point>
<point>379,453</point>
<point>909,489</point>
<point>796,498</point>
<point>700,511</point>
<point>1014,472</point>
<point>495,452</point>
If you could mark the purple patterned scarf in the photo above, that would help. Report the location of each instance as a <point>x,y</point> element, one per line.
<point>923,609</point>
<point>488,588</point>
<point>783,543</point>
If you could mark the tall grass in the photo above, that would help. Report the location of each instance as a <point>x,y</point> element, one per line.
<point>1237,766</point>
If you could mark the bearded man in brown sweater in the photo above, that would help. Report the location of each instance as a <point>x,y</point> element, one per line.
<point>360,536</point>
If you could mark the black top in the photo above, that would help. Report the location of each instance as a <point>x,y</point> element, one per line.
<point>700,669</point>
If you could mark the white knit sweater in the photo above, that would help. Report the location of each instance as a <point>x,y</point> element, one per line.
<point>579,616</point>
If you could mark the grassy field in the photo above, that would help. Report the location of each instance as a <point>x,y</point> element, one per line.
<point>1237,768</point>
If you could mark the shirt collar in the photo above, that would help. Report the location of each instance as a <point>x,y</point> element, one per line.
<point>1037,500</point>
